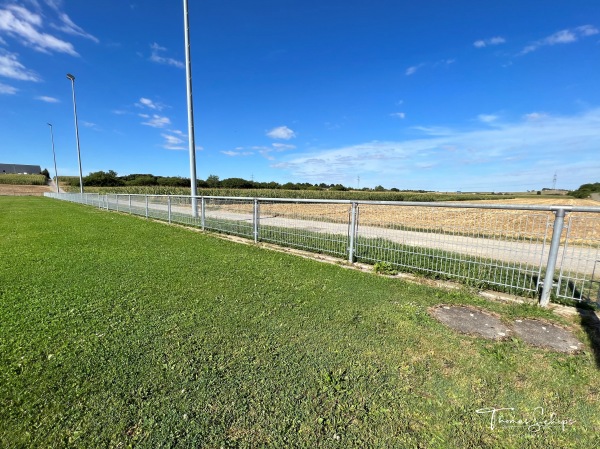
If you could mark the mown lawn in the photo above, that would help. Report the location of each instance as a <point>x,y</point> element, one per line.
<point>121,332</point>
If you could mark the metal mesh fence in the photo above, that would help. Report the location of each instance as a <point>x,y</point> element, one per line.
<point>499,247</point>
<point>579,276</point>
<point>485,247</point>
<point>316,227</point>
<point>230,216</point>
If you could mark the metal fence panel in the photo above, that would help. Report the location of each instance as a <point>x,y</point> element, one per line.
<point>317,227</point>
<point>495,247</point>
<point>579,276</point>
<point>230,216</point>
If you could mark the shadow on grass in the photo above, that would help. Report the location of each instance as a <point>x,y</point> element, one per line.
<point>591,325</point>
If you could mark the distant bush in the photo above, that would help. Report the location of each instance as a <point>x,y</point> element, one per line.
<point>585,190</point>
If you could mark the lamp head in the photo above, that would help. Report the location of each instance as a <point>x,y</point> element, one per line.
<point>71,77</point>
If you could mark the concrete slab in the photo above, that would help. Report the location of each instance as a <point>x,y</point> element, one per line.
<point>480,323</point>
<point>546,335</point>
<point>472,321</point>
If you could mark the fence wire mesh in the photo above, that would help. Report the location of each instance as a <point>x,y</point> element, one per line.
<point>579,277</point>
<point>316,227</point>
<point>485,247</point>
<point>497,247</point>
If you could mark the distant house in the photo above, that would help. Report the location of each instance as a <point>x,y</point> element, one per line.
<point>14,169</point>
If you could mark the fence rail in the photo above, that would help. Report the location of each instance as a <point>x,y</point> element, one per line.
<point>504,247</point>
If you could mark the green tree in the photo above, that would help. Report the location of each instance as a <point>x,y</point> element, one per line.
<point>103,179</point>
<point>213,181</point>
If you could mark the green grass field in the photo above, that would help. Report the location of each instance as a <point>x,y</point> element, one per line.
<point>121,332</point>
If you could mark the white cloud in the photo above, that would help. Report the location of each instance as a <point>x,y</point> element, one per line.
<point>22,24</point>
<point>47,99</point>
<point>10,67</point>
<point>505,157</point>
<point>413,69</point>
<point>492,41</point>
<point>5,89</point>
<point>567,36</point>
<point>89,124</point>
<point>146,102</point>
<point>283,146</point>
<point>535,116</point>
<point>69,27</point>
<point>156,121</point>
<point>173,142</point>
<point>441,63</point>
<point>237,153</point>
<point>281,132</point>
<point>400,115</point>
<point>159,59</point>
<point>487,118</point>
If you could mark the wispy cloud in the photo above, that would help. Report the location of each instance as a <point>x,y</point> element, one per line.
<point>233,153</point>
<point>487,42</point>
<point>10,67</point>
<point>173,141</point>
<point>155,120</point>
<point>487,118</point>
<point>567,36</point>
<point>413,69</point>
<point>67,26</point>
<point>147,103</point>
<point>156,56</point>
<point>25,26</point>
<point>441,63</point>
<point>47,99</point>
<point>400,115</point>
<point>281,132</point>
<point>507,156</point>
<point>263,150</point>
<point>90,125</point>
<point>283,146</point>
<point>5,89</point>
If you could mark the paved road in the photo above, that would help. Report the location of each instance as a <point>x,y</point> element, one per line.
<point>576,259</point>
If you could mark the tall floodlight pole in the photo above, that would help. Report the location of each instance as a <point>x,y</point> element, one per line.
<point>192,143</point>
<point>72,78</point>
<point>53,154</point>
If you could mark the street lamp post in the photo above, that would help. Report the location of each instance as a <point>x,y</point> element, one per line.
<point>72,78</point>
<point>54,155</point>
<point>192,143</point>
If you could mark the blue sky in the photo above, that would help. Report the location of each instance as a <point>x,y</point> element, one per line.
<point>436,95</point>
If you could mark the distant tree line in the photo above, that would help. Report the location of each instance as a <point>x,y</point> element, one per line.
<point>111,179</point>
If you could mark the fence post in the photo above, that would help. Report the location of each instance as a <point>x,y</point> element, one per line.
<point>117,198</point>
<point>130,204</point>
<point>169,207</point>
<point>202,212</point>
<point>256,219</point>
<point>146,196</point>
<point>559,221</point>
<point>352,233</point>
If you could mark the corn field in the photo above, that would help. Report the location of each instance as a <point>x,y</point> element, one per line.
<point>23,180</point>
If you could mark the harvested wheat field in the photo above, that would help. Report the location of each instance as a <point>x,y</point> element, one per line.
<point>584,228</point>
<point>17,190</point>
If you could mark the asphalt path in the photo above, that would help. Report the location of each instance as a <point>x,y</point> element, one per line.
<point>576,259</point>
